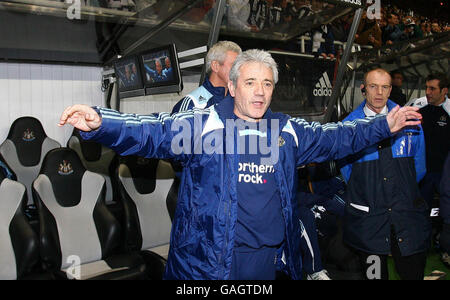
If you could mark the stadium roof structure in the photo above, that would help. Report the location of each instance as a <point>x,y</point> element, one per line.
<point>416,58</point>
<point>54,31</point>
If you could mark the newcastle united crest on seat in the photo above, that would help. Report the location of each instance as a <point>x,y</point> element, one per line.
<point>28,135</point>
<point>65,168</point>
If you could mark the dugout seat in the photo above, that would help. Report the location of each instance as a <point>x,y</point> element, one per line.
<point>24,149</point>
<point>19,245</point>
<point>144,185</point>
<point>98,159</point>
<point>77,231</point>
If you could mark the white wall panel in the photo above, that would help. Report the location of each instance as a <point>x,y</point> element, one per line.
<point>43,91</point>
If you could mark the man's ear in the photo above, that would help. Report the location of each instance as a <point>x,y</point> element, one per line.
<point>215,66</point>
<point>231,88</point>
<point>363,89</point>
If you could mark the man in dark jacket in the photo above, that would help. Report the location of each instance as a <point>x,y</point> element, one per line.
<point>392,32</point>
<point>237,215</point>
<point>436,127</point>
<point>385,213</point>
<point>396,93</point>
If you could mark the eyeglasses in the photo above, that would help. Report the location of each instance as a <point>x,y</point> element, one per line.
<point>376,87</point>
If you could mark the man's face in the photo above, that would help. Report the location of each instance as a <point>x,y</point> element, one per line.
<point>158,66</point>
<point>167,61</point>
<point>397,80</point>
<point>393,20</point>
<point>253,91</point>
<point>225,67</point>
<point>378,89</point>
<point>435,96</point>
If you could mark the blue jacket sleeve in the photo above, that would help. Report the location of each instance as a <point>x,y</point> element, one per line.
<point>157,136</point>
<point>419,157</point>
<point>346,171</point>
<point>332,141</point>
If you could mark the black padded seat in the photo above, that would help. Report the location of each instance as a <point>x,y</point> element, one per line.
<point>98,159</point>
<point>144,185</point>
<point>19,245</point>
<point>76,227</point>
<point>25,148</point>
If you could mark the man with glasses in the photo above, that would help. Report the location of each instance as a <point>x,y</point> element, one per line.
<point>385,213</point>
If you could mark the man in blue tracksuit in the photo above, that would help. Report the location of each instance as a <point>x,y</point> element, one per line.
<point>385,213</point>
<point>237,212</point>
<point>214,89</point>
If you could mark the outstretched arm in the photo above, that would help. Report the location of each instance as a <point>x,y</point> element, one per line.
<point>317,143</point>
<point>154,135</point>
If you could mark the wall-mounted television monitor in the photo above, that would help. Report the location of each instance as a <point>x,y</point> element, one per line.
<point>161,70</point>
<point>128,76</point>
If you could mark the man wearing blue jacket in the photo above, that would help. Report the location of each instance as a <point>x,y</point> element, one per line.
<point>214,89</point>
<point>385,213</point>
<point>237,214</point>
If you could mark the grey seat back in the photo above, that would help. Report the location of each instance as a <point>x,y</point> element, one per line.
<point>95,158</point>
<point>145,189</point>
<point>18,243</point>
<point>25,148</point>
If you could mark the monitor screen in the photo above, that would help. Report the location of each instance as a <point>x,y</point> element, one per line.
<point>161,69</point>
<point>128,74</point>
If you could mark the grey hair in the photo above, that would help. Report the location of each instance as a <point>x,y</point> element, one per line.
<point>218,53</point>
<point>253,55</point>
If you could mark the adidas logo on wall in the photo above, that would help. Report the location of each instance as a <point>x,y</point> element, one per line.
<point>323,87</point>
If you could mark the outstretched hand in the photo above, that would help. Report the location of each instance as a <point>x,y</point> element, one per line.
<point>80,116</point>
<point>398,118</point>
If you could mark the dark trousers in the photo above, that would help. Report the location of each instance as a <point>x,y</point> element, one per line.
<point>408,267</point>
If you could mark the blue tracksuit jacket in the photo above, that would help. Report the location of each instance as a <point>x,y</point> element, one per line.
<point>204,96</point>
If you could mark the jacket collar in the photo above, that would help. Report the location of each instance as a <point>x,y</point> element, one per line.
<point>360,109</point>
<point>446,105</point>
<point>216,91</point>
